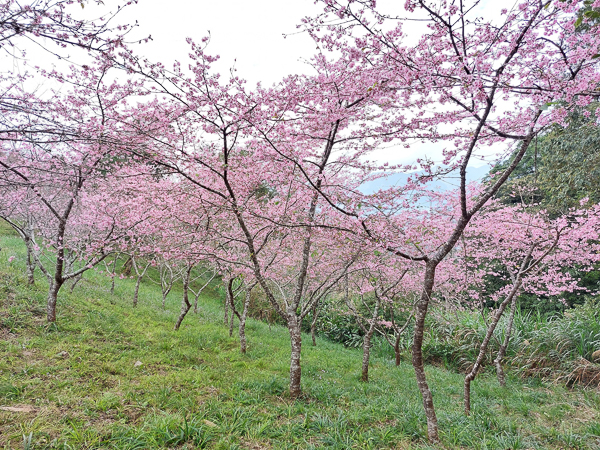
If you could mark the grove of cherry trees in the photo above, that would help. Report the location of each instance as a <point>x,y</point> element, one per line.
<point>198,174</point>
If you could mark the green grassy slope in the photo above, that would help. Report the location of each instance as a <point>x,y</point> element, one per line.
<point>76,385</point>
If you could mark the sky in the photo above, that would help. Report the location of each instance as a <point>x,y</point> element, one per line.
<point>259,38</point>
<point>246,34</point>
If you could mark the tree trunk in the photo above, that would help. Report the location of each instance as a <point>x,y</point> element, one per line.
<point>226,316</point>
<point>30,261</point>
<point>313,325</point>
<point>138,280</point>
<point>504,346</point>
<point>296,344</point>
<point>243,317</point>
<point>185,304</point>
<point>417,352</point>
<point>231,324</point>
<point>397,350</point>
<point>56,282</point>
<point>127,266</point>
<point>366,355</point>
<point>52,299</point>
<point>136,290</point>
<point>76,280</point>
<point>196,303</point>
<point>113,274</point>
<point>242,332</point>
<point>229,301</point>
<point>483,347</point>
<point>367,343</point>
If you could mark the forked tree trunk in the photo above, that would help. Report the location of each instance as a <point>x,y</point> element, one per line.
<point>398,332</point>
<point>200,290</point>
<point>76,280</point>
<point>504,346</point>
<point>196,303</point>
<point>138,280</point>
<point>185,304</point>
<point>196,297</point>
<point>483,347</point>
<point>167,279</point>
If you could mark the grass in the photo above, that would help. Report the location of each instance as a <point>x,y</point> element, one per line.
<point>78,385</point>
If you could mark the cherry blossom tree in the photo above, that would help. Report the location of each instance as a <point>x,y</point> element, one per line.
<point>258,161</point>
<point>535,252</point>
<point>18,215</point>
<point>483,81</point>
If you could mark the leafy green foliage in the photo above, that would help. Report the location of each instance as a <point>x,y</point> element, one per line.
<point>560,168</point>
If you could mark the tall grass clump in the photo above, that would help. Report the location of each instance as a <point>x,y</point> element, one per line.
<point>558,347</point>
<point>562,348</point>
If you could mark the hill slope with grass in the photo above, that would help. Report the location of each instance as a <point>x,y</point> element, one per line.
<point>108,376</point>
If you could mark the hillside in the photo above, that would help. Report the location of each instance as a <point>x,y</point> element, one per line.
<point>108,376</point>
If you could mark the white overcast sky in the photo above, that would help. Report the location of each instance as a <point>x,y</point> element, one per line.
<point>247,34</point>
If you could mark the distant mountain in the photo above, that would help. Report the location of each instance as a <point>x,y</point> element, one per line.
<point>449,182</point>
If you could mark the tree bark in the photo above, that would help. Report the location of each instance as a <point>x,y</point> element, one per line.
<point>52,300</point>
<point>113,274</point>
<point>366,356</point>
<point>127,266</point>
<point>226,316</point>
<point>139,276</point>
<point>56,282</point>
<point>30,261</point>
<point>367,342</point>
<point>483,347</point>
<point>313,325</point>
<point>76,280</point>
<point>296,346</point>
<point>417,352</point>
<point>231,324</point>
<point>200,290</point>
<point>136,290</point>
<point>504,346</point>
<point>398,331</point>
<point>243,317</point>
<point>230,300</point>
<point>185,304</point>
